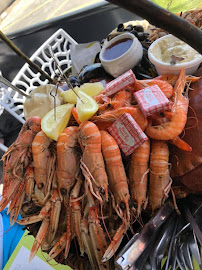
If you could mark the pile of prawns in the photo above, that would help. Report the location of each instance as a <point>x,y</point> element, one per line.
<point>80,182</point>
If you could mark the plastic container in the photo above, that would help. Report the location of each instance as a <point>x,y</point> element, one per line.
<point>167,68</point>
<point>125,61</point>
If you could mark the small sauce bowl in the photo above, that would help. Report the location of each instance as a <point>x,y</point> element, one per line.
<point>120,54</point>
<point>181,55</point>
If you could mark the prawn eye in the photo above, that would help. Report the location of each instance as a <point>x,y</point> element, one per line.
<point>122,206</point>
<point>109,105</point>
<point>102,191</point>
<point>132,203</point>
<point>63,191</point>
<point>41,185</point>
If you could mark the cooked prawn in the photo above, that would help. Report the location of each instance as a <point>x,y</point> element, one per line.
<point>171,129</point>
<point>110,117</point>
<point>138,174</point>
<point>67,159</point>
<point>116,174</point>
<point>121,99</point>
<point>92,162</point>
<point>17,159</point>
<point>160,181</point>
<point>165,87</point>
<point>171,79</point>
<point>160,118</point>
<point>118,185</point>
<point>41,158</point>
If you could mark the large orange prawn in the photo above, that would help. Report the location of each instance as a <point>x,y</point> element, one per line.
<point>160,181</point>
<point>119,188</point>
<point>165,87</point>
<point>16,160</point>
<point>171,78</point>
<point>67,159</point>
<point>116,173</point>
<point>121,99</point>
<point>106,119</point>
<point>171,129</point>
<point>92,163</point>
<point>138,174</point>
<point>42,161</point>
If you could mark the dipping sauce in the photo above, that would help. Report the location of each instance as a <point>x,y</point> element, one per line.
<point>172,46</point>
<point>117,49</point>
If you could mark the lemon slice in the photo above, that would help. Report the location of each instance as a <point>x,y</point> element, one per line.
<point>52,126</point>
<point>91,89</point>
<point>86,106</point>
<point>70,96</point>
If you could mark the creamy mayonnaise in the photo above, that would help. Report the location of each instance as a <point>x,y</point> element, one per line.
<point>172,46</point>
<point>41,102</point>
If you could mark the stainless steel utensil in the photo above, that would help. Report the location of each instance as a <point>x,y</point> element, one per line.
<point>9,84</point>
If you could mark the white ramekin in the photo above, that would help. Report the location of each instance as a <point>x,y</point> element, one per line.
<point>166,68</point>
<point>126,61</point>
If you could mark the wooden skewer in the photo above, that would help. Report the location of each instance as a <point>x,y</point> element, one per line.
<point>164,19</point>
<point>22,55</point>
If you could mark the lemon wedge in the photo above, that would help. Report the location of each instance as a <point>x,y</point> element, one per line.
<point>52,126</point>
<point>86,106</point>
<point>91,89</point>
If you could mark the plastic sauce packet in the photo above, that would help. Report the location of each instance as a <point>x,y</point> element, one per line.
<point>126,79</point>
<point>152,100</point>
<point>127,133</point>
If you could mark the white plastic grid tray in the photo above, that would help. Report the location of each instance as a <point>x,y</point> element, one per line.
<point>28,80</point>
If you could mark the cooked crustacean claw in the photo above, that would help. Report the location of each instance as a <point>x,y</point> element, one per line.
<point>36,218</point>
<point>73,211</point>
<point>115,243</point>
<point>54,215</point>
<point>97,235</point>
<point>89,249</point>
<point>17,207</point>
<point>49,215</point>
<point>58,247</point>
<point>40,237</point>
<point>29,180</point>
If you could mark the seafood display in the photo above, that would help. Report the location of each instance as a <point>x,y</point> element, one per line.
<point>192,16</point>
<point>85,191</point>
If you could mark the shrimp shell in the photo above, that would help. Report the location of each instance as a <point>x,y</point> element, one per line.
<point>171,129</point>
<point>160,181</point>
<point>67,159</point>
<point>41,157</point>
<point>138,174</point>
<point>90,141</point>
<point>116,172</point>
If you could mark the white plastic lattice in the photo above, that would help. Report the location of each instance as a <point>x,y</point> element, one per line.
<point>28,79</point>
